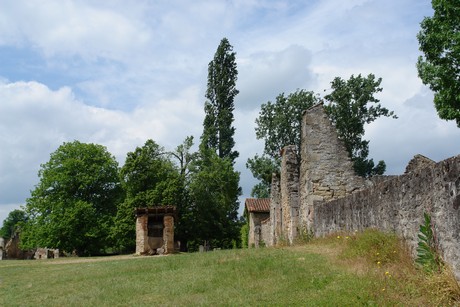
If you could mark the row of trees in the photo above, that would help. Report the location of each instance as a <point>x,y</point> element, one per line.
<point>84,202</point>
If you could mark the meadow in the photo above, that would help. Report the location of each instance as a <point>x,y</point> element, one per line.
<point>368,269</point>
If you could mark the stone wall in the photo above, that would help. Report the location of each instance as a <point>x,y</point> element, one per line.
<point>326,171</point>
<point>142,245</point>
<point>255,224</point>
<point>398,205</point>
<point>331,198</point>
<point>275,211</point>
<point>289,189</point>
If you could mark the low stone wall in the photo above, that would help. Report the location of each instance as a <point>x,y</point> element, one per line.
<point>398,204</point>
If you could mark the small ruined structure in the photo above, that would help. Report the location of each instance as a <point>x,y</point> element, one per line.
<point>257,211</point>
<point>46,253</point>
<point>155,230</point>
<point>2,247</point>
<point>323,195</point>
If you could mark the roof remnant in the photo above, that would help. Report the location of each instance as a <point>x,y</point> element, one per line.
<point>257,204</point>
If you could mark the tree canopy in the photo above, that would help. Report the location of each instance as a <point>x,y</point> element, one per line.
<point>351,104</point>
<point>218,131</point>
<point>13,221</point>
<point>279,125</point>
<point>439,68</point>
<point>214,190</point>
<point>72,206</point>
<point>149,178</point>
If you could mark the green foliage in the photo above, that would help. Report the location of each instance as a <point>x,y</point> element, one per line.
<point>214,190</point>
<point>218,131</point>
<point>373,245</point>
<point>244,235</point>
<point>262,168</point>
<point>73,205</point>
<point>279,125</point>
<point>352,105</point>
<point>149,178</point>
<point>439,68</point>
<point>12,222</point>
<point>427,253</point>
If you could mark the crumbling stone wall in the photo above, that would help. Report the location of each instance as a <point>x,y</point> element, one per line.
<point>326,171</point>
<point>398,205</point>
<point>255,224</point>
<point>275,211</point>
<point>142,234</point>
<point>289,188</point>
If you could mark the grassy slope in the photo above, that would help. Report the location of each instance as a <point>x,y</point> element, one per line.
<point>309,275</point>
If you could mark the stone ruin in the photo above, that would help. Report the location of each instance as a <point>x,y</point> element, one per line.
<point>323,195</point>
<point>155,230</point>
<point>257,211</point>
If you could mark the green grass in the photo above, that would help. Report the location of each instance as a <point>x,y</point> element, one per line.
<point>316,274</point>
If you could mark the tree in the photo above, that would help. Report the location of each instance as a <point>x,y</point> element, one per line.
<point>439,68</point>
<point>148,178</point>
<point>279,125</point>
<point>262,168</point>
<point>214,190</point>
<point>12,222</point>
<point>351,105</point>
<point>72,206</point>
<point>217,126</point>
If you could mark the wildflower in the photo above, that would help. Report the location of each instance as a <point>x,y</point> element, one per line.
<point>347,237</point>
<point>383,289</point>
<point>377,254</point>
<point>378,262</point>
<point>387,273</point>
<point>338,237</point>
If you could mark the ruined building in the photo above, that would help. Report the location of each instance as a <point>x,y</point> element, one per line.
<point>155,230</point>
<point>323,195</point>
<point>257,211</point>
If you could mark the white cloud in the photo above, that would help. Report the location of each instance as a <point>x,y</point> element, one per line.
<point>68,28</point>
<point>265,75</point>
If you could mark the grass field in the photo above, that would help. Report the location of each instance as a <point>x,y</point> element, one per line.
<point>321,273</point>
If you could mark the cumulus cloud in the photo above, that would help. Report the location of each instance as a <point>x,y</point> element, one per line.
<point>35,121</point>
<point>67,28</point>
<point>264,75</point>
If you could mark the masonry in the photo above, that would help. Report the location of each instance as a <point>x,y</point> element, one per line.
<point>324,195</point>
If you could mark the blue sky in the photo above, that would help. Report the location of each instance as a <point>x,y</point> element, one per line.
<point>117,74</point>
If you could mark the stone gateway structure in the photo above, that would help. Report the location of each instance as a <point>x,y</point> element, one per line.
<point>155,230</point>
<point>323,195</point>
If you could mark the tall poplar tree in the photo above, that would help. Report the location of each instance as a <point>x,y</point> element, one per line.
<point>218,131</point>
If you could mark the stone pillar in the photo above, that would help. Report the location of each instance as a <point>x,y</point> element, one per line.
<point>2,247</point>
<point>289,183</point>
<point>168,234</point>
<point>275,210</point>
<point>142,245</point>
<point>326,171</point>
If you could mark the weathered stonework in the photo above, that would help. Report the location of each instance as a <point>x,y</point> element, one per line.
<point>275,211</point>
<point>418,162</point>
<point>326,171</point>
<point>398,205</point>
<point>257,210</point>
<point>2,247</point>
<point>289,188</point>
<point>333,198</point>
<point>155,230</point>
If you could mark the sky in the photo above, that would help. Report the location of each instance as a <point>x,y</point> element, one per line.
<point>117,73</point>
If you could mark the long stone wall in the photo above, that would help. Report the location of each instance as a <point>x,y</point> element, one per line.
<point>326,196</point>
<point>398,205</point>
